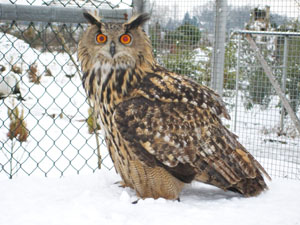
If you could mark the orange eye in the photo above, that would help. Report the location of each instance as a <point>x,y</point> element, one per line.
<point>125,39</point>
<point>101,38</point>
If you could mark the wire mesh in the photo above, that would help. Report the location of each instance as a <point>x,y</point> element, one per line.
<point>258,116</point>
<point>114,4</point>
<point>261,122</point>
<point>41,60</point>
<point>47,124</point>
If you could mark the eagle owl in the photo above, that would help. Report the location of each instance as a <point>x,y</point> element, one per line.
<point>162,130</point>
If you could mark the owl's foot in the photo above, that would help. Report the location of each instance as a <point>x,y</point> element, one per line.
<point>136,201</point>
<point>121,184</point>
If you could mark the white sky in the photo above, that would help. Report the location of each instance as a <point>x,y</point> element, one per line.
<point>290,8</point>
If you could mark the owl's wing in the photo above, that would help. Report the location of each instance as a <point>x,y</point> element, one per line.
<point>189,141</point>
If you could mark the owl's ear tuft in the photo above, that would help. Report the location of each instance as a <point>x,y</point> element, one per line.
<point>91,19</point>
<point>136,21</point>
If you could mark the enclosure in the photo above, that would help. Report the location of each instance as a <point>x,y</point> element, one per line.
<point>47,125</point>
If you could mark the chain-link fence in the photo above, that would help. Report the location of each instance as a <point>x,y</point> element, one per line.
<point>46,121</point>
<point>47,126</point>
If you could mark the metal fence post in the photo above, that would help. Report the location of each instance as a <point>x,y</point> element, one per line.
<point>237,81</point>
<point>137,6</point>
<point>219,47</point>
<point>141,6</point>
<point>283,86</point>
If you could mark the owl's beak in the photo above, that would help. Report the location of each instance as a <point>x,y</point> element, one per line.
<point>112,49</point>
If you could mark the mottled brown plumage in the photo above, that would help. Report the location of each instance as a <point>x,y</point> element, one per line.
<point>162,129</point>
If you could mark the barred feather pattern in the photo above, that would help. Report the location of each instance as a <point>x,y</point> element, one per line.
<point>162,130</point>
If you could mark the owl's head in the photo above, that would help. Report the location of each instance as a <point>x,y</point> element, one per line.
<point>122,45</point>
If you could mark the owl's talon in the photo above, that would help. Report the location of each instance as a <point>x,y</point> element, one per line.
<point>135,202</point>
<point>121,184</point>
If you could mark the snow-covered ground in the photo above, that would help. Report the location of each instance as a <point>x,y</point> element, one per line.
<point>95,199</point>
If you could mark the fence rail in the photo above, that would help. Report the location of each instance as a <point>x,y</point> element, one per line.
<point>272,33</point>
<point>50,14</point>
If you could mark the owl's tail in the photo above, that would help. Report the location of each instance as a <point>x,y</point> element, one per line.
<point>250,186</point>
<point>248,182</point>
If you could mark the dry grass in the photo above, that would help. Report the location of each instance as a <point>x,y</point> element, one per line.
<point>33,74</point>
<point>17,126</point>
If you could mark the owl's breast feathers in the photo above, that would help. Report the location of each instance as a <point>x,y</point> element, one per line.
<point>172,122</point>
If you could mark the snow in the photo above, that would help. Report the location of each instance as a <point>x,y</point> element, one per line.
<point>96,199</point>
<point>258,132</point>
<point>7,85</point>
<point>202,55</point>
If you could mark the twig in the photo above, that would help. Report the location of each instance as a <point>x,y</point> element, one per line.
<point>11,159</point>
